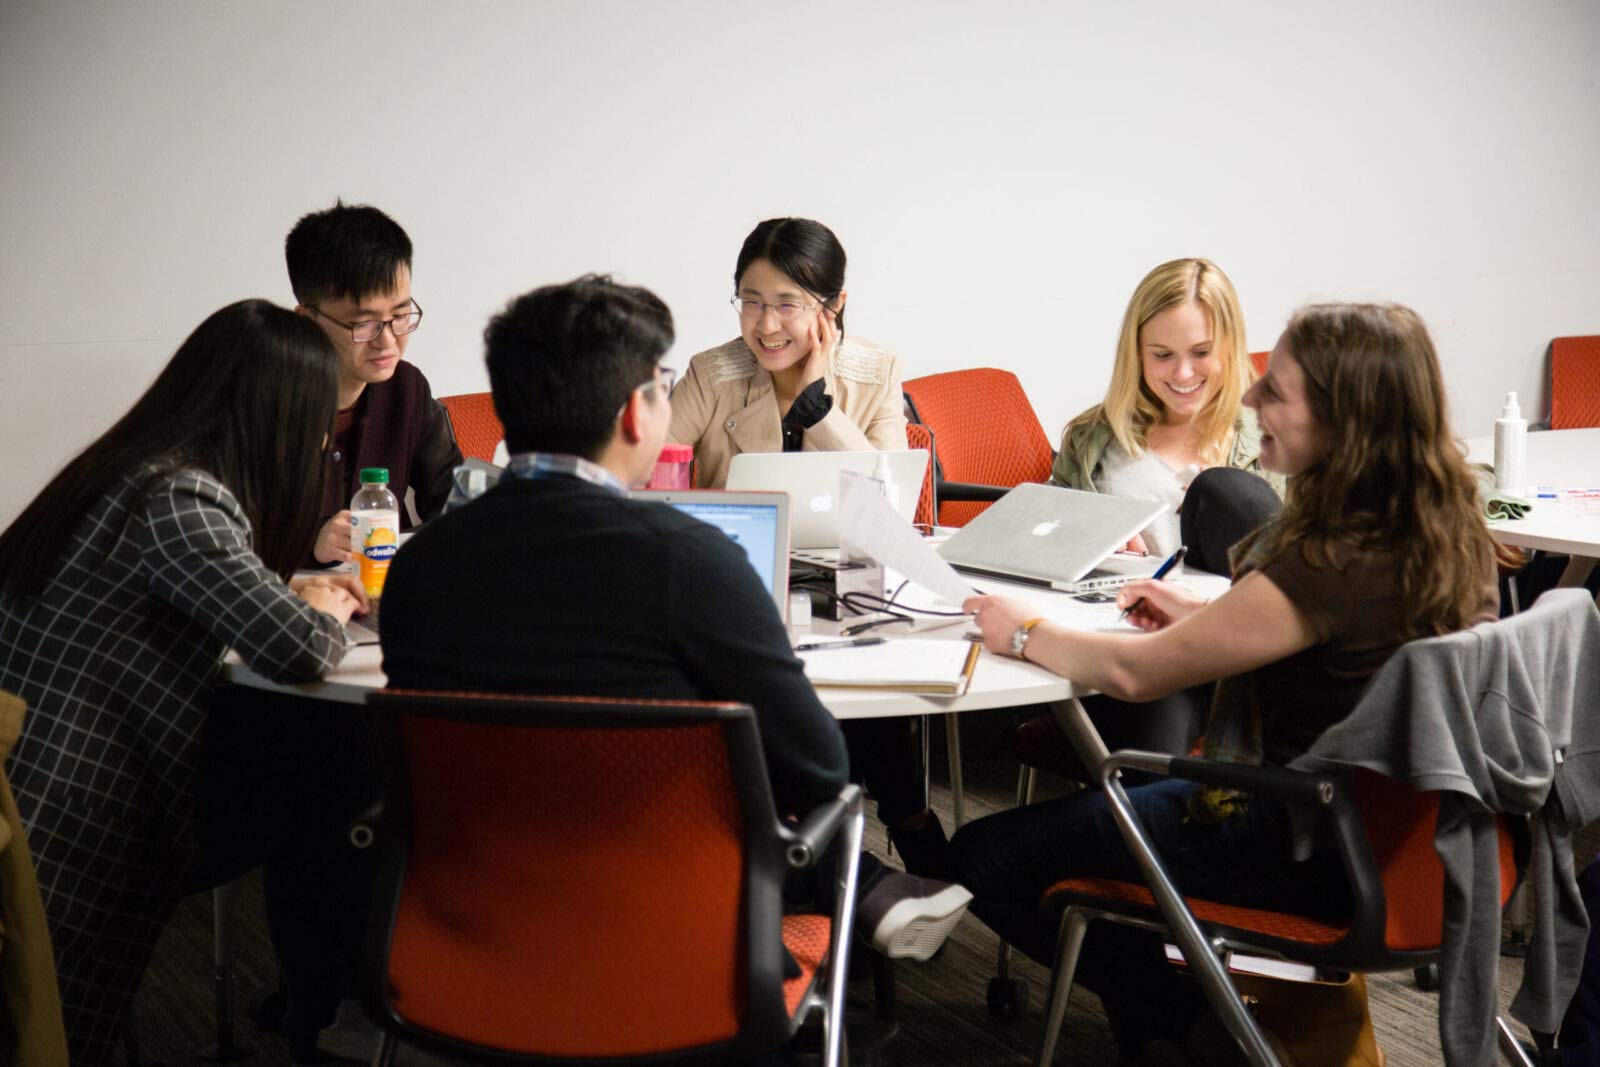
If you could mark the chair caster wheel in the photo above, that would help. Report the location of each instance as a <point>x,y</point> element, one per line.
<point>268,1007</point>
<point>1008,997</point>
<point>1428,977</point>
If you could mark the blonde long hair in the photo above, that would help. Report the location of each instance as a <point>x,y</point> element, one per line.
<point>1394,477</point>
<point>1130,408</point>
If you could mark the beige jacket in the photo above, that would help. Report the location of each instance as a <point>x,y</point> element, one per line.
<point>31,1031</point>
<point>725,404</point>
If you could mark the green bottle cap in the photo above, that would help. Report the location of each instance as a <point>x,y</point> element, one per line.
<point>375,474</point>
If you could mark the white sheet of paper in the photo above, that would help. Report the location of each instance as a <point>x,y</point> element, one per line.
<point>868,526</point>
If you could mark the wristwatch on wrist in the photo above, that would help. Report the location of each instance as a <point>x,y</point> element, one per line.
<point>1019,639</point>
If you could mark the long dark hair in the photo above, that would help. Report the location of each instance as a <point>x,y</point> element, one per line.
<point>249,397</point>
<point>805,250</point>
<point>1394,476</point>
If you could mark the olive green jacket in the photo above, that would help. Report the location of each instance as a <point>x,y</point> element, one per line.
<point>1083,446</point>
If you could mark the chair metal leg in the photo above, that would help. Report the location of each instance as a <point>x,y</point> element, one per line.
<point>1577,572</point>
<point>927,762</point>
<point>1027,779</point>
<point>1074,923</point>
<point>388,1049</point>
<point>952,734</point>
<point>1005,999</point>
<point>1509,1045</point>
<point>226,1049</point>
<point>1195,946</point>
<point>833,1035</point>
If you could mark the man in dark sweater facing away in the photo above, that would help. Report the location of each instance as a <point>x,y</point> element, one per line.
<point>555,582</point>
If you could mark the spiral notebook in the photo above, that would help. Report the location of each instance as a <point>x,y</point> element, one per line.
<point>907,665</point>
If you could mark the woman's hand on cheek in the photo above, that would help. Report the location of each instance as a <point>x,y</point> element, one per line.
<point>823,336</point>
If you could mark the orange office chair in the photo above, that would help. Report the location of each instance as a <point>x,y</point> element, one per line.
<point>989,438</point>
<point>1258,362</point>
<point>477,427</point>
<point>1384,832</point>
<point>919,436</point>
<point>1574,382</point>
<point>572,880</point>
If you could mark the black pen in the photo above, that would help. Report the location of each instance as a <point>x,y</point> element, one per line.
<point>843,642</point>
<point>1161,572</point>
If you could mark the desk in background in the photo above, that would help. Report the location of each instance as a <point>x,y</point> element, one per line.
<point>1563,459</point>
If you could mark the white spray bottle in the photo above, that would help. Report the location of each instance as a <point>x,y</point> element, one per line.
<point>1510,449</point>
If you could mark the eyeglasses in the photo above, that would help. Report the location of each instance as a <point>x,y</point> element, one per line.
<point>665,378</point>
<point>786,310</point>
<point>362,332</point>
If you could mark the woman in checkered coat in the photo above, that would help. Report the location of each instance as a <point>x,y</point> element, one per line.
<point>163,544</point>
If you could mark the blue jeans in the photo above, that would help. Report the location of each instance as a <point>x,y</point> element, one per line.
<point>1009,859</point>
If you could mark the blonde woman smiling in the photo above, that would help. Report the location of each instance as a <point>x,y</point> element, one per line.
<point>1173,411</point>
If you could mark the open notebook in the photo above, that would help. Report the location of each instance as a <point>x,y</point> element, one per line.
<point>909,665</point>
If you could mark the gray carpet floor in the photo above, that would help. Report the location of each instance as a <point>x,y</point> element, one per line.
<point>942,1010</point>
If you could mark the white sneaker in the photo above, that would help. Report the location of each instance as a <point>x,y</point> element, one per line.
<point>909,917</point>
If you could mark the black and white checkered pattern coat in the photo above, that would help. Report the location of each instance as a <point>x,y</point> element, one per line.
<point>116,660</point>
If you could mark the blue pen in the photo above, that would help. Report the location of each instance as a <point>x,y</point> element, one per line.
<point>1161,572</point>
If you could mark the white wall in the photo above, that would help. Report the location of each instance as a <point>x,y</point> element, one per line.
<point>1002,173</point>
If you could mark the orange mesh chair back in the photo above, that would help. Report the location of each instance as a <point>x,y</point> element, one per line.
<point>919,436</point>
<point>1258,362</point>
<point>477,428</point>
<point>1400,825</point>
<point>988,436</point>
<point>573,879</point>
<point>1574,382</point>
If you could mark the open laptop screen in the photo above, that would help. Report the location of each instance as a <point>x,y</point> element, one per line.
<point>756,522</point>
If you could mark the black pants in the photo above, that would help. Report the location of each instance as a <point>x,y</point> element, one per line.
<point>1008,859</point>
<point>886,757</point>
<point>281,778</point>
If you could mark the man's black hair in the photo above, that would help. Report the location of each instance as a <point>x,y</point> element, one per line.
<point>348,251</point>
<point>563,360</point>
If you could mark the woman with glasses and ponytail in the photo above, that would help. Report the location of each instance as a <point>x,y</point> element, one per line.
<point>791,381</point>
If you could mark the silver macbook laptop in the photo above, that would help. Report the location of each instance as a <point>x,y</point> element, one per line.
<point>1048,535</point>
<point>756,522</point>
<point>812,481</point>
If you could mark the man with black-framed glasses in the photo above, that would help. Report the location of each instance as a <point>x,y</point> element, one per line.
<point>350,267</point>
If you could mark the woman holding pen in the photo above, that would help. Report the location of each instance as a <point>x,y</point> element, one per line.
<point>1380,541</point>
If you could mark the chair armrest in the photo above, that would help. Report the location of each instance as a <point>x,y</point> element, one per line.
<point>949,491</point>
<point>1291,787</point>
<point>810,839</point>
